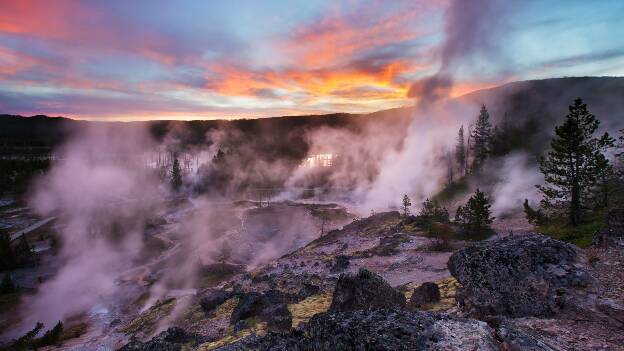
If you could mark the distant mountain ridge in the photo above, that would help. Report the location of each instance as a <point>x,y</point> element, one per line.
<point>543,101</point>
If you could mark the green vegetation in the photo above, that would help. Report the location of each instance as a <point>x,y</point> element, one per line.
<point>574,165</point>
<point>407,203</point>
<point>581,234</point>
<point>176,174</point>
<point>535,217</point>
<point>481,139</point>
<point>474,217</point>
<point>29,341</point>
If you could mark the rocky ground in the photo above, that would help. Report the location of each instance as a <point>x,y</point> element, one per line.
<point>379,284</point>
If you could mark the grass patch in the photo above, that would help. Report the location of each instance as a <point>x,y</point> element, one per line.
<point>307,308</point>
<point>580,235</point>
<point>147,320</point>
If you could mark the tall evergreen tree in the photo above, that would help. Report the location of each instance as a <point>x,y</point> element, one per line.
<point>481,138</point>
<point>574,164</point>
<point>176,174</point>
<point>460,151</point>
<point>407,203</point>
<point>450,168</point>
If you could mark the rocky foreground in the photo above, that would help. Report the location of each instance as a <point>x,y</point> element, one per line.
<point>524,292</point>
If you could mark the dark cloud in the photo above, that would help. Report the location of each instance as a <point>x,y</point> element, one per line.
<point>472,31</point>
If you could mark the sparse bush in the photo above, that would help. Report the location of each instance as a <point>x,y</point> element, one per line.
<point>535,217</point>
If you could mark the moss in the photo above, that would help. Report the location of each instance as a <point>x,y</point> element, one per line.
<point>580,235</point>
<point>307,308</point>
<point>147,320</point>
<point>224,310</point>
<point>255,328</point>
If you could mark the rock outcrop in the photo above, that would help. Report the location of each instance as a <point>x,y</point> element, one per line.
<point>379,329</point>
<point>364,290</point>
<point>171,339</point>
<point>214,298</point>
<point>613,234</point>
<point>270,307</point>
<point>425,293</point>
<point>528,275</point>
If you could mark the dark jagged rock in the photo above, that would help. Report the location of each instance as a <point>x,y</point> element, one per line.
<point>341,263</point>
<point>271,307</point>
<point>378,330</point>
<point>308,290</point>
<point>364,290</point>
<point>513,338</point>
<point>528,275</point>
<point>171,339</point>
<point>213,299</point>
<point>426,293</point>
<point>613,234</point>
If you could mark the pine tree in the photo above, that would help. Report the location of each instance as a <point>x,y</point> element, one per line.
<point>176,174</point>
<point>460,151</point>
<point>7,286</point>
<point>450,168</point>
<point>475,215</point>
<point>481,139</point>
<point>407,203</point>
<point>431,211</point>
<point>574,164</point>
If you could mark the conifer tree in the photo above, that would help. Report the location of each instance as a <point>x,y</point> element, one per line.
<point>481,136</point>
<point>7,286</point>
<point>460,151</point>
<point>574,164</point>
<point>475,215</point>
<point>407,203</point>
<point>176,174</point>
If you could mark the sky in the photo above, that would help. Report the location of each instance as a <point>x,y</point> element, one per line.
<point>158,59</point>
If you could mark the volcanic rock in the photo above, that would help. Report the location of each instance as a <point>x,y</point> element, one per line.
<point>213,299</point>
<point>426,293</point>
<point>379,329</point>
<point>271,307</point>
<point>342,263</point>
<point>528,275</point>
<point>364,290</point>
<point>171,339</point>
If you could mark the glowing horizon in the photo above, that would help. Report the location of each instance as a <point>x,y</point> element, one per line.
<point>145,60</point>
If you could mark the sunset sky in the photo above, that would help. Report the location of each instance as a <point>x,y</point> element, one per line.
<point>130,60</point>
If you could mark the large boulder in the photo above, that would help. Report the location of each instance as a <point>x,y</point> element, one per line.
<point>425,293</point>
<point>213,298</point>
<point>379,329</point>
<point>527,275</point>
<point>172,339</point>
<point>270,307</point>
<point>613,234</point>
<point>364,290</point>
